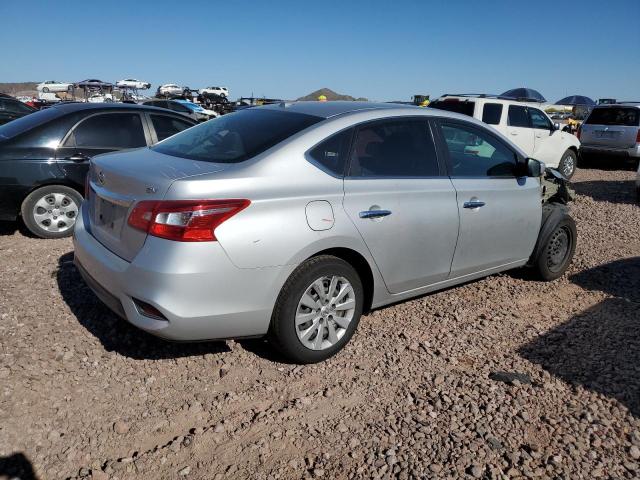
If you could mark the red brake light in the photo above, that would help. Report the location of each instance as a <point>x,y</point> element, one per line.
<point>184,220</point>
<point>579,132</point>
<point>638,136</point>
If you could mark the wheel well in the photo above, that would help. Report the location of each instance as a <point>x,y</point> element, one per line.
<point>573,149</point>
<point>54,182</point>
<point>361,266</point>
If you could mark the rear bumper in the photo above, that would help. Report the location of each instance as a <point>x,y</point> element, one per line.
<point>610,150</point>
<point>196,287</point>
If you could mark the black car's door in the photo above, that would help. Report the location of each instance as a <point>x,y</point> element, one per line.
<point>99,133</point>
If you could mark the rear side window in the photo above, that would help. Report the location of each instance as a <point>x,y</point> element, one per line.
<point>623,116</point>
<point>167,126</point>
<point>237,136</point>
<point>177,107</point>
<point>491,113</point>
<point>394,149</point>
<point>475,153</point>
<point>111,130</point>
<point>454,105</point>
<point>332,153</point>
<point>518,116</point>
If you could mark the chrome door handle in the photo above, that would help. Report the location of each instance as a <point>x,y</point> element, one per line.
<point>513,133</point>
<point>473,204</point>
<point>78,157</point>
<point>374,213</point>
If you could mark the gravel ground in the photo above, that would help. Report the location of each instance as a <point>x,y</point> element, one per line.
<point>500,378</point>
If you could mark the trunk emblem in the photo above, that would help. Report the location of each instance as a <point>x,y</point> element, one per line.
<point>101,177</point>
<point>151,189</point>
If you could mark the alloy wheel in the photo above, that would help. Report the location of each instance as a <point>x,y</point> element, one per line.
<point>324,312</point>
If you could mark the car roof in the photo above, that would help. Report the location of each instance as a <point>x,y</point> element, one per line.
<point>70,107</point>
<point>331,109</point>
<point>489,98</point>
<point>619,104</point>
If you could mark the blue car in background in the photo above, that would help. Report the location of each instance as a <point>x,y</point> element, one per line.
<point>185,107</point>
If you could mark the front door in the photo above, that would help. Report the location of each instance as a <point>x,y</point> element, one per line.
<point>401,202</point>
<point>99,133</point>
<point>518,128</point>
<point>500,213</point>
<point>548,144</point>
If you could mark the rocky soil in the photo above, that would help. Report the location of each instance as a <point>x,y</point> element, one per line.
<point>505,377</point>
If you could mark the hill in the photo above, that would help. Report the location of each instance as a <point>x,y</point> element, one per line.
<point>22,88</point>
<point>331,95</point>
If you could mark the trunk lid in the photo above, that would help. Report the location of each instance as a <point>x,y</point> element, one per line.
<point>118,180</point>
<point>617,136</point>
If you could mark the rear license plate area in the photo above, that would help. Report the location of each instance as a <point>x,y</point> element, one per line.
<point>109,215</point>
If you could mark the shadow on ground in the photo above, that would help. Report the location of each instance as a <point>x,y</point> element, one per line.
<point>614,191</point>
<point>600,347</point>
<point>114,333</point>
<point>17,466</point>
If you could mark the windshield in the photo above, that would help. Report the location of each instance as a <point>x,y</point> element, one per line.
<point>16,127</point>
<point>623,116</point>
<point>236,137</point>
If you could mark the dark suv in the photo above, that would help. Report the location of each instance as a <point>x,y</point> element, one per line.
<point>44,157</point>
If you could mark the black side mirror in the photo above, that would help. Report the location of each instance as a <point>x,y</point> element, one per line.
<point>535,168</point>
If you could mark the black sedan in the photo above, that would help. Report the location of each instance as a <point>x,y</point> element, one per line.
<point>44,157</point>
<point>10,109</point>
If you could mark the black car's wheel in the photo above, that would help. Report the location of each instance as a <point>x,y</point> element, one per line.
<point>51,211</point>
<point>557,251</point>
<point>568,164</point>
<point>318,310</point>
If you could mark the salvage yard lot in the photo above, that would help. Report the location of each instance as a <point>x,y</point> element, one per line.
<point>424,389</point>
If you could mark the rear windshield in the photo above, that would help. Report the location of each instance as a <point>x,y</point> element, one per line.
<point>624,116</point>
<point>28,122</point>
<point>457,106</point>
<point>236,137</point>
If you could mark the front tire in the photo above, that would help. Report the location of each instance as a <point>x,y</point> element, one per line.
<point>51,211</point>
<point>568,163</point>
<point>557,252</point>
<point>318,310</point>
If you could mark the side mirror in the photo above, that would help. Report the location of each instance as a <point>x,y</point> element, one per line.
<point>535,168</point>
<point>556,126</point>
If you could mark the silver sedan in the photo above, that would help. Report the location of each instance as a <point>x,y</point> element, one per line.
<point>292,220</point>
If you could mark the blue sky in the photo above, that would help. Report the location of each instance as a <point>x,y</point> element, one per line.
<point>382,50</point>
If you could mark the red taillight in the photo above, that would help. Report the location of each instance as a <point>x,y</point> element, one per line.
<point>638,136</point>
<point>184,220</point>
<point>579,132</point>
<point>87,186</point>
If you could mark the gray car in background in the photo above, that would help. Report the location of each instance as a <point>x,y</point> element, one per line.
<point>612,130</point>
<point>291,220</point>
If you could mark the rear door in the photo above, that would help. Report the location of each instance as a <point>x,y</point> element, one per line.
<point>500,214</point>
<point>519,129</point>
<point>99,133</point>
<point>401,202</point>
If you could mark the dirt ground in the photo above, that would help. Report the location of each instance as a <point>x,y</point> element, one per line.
<point>504,377</point>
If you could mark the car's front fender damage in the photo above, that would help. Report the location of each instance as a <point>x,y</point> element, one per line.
<point>556,195</point>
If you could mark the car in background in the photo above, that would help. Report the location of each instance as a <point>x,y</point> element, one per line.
<point>611,129</point>
<point>291,220</point>
<point>219,91</point>
<point>54,86</point>
<point>133,83</point>
<point>44,157</point>
<point>12,108</point>
<point>184,107</point>
<point>171,90</point>
<point>523,123</point>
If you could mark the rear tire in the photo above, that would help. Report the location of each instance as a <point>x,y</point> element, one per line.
<point>306,326</point>
<point>557,251</point>
<point>568,163</point>
<point>51,211</point>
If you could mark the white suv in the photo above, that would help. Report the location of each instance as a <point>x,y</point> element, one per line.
<point>220,91</point>
<point>524,123</point>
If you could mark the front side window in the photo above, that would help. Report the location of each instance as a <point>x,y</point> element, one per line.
<point>237,136</point>
<point>518,116</point>
<point>166,126</point>
<point>539,119</point>
<point>402,148</point>
<point>491,113</point>
<point>110,130</point>
<point>332,153</point>
<point>475,153</point>
<point>454,105</point>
